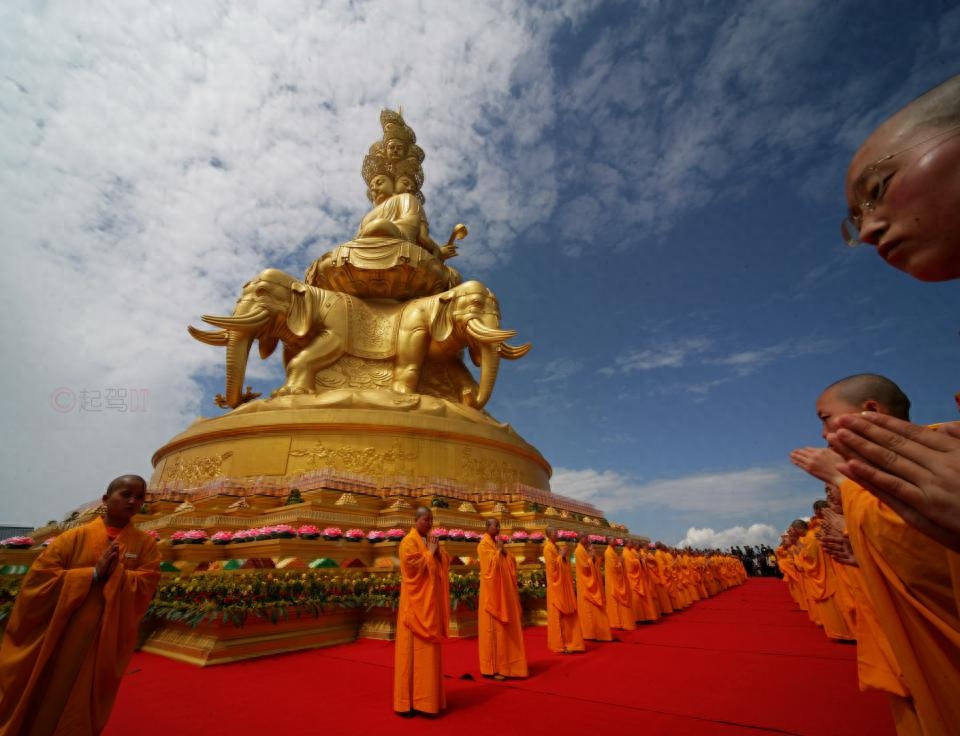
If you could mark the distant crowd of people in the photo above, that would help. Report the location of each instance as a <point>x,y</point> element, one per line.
<point>760,561</point>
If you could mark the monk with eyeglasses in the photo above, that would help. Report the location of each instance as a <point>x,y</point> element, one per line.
<point>903,191</point>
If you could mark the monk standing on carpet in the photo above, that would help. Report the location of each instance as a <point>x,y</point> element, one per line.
<point>74,626</point>
<point>422,620</point>
<point>619,599</point>
<point>500,617</point>
<point>904,572</point>
<point>821,581</point>
<point>564,634</point>
<point>590,598</point>
<point>654,574</point>
<point>644,604</point>
<point>877,668</point>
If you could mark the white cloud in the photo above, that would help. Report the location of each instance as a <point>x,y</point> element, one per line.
<point>747,362</point>
<point>700,351</point>
<point>736,536</point>
<point>724,494</point>
<point>560,370</point>
<point>673,354</point>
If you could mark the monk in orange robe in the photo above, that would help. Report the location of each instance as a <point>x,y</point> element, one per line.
<point>423,620</point>
<point>915,228</point>
<point>669,574</point>
<point>791,575</point>
<point>590,598</point>
<point>906,575</point>
<point>644,605</point>
<point>877,668</point>
<point>656,577</point>
<point>500,617</point>
<point>74,626</point>
<point>821,581</point>
<point>619,600</point>
<point>700,575</point>
<point>564,634</point>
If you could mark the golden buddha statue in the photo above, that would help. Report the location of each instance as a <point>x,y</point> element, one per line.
<point>392,255</point>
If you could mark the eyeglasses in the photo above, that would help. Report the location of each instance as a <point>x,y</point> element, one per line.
<point>872,185</point>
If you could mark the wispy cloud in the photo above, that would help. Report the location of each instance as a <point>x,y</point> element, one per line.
<point>747,362</point>
<point>669,355</point>
<point>698,391</point>
<point>700,351</point>
<point>560,370</point>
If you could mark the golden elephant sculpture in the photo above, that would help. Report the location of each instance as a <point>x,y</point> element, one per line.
<point>318,326</point>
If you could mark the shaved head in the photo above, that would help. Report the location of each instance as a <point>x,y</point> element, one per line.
<point>865,387</point>
<point>939,108</point>
<point>421,511</point>
<point>911,163</point>
<point>123,480</point>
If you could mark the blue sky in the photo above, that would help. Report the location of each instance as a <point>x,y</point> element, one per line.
<point>653,191</point>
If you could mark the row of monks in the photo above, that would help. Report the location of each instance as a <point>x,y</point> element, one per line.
<point>880,560</point>
<point>865,573</point>
<point>628,586</point>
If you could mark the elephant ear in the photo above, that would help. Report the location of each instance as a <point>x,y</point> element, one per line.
<point>442,324</point>
<point>300,314</point>
<point>268,343</point>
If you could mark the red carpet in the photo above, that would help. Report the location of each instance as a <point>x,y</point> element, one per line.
<point>744,662</point>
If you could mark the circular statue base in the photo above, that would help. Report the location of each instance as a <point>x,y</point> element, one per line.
<point>382,437</point>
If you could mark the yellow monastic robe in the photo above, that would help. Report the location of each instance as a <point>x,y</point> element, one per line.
<point>69,639</point>
<point>659,582</point>
<point>700,568</point>
<point>590,598</point>
<point>791,576</point>
<point>907,577</point>
<point>563,624</point>
<point>423,620</point>
<point>668,573</point>
<point>877,668</point>
<point>822,584</point>
<point>644,605</point>
<point>500,617</point>
<point>619,600</point>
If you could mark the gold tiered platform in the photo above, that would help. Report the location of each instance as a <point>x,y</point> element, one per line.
<point>408,447</point>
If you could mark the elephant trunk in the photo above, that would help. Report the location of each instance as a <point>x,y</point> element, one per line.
<point>489,367</point>
<point>238,350</point>
<point>237,332</point>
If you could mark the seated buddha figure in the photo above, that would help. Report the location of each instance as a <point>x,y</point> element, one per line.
<point>392,255</point>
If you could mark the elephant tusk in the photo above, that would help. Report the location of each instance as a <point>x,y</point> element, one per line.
<point>511,352</point>
<point>253,321</point>
<point>217,337</point>
<point>481,333</point>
